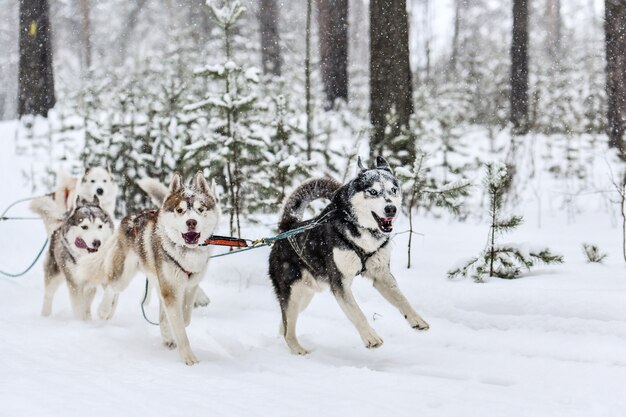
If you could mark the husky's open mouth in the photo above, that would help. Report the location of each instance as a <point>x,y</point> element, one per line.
<point>80,243</point>
<point>385,224</point>
<point>191,238</point>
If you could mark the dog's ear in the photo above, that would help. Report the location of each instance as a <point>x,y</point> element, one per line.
<point>200,183</point>
<point>108,167</point>
<point>96,200</point>
<point>176,184</point>
<point>80,202</point>
<point>382,164</point>
<point>359,163</point>
<point>83,178</point>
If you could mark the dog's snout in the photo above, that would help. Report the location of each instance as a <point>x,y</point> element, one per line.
<point>100,191</point>
<point>191,224</point>
<point>390,210</point>
<point>96,243</point>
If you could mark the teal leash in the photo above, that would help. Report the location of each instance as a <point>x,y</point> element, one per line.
<point>17,275</point>
<point>269,241</point>
<point>45,243</point>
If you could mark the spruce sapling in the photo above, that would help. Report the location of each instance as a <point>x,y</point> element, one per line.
<point>593,253</point>
<point>501,260</point>
<point>236,148</point>
<point>421,190</point>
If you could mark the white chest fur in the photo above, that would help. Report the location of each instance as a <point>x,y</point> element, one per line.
<point>347,262</point>
<point>366,241</point>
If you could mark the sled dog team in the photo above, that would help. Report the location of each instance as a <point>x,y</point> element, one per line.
<point>351,238</point>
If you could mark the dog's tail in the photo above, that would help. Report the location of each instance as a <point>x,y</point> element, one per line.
<point>293,209</point>
<point>50,211</point>
<point>154,188</point>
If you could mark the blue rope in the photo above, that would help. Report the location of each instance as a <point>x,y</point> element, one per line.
<point>12,275</point>
<point>3,217</point>
<point>269,241</point>
<point>145,295</point>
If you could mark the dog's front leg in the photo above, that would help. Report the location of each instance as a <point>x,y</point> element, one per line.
<point>343,294</point>
<point>89,294</point>
<point>387,286</point>
<point>189,302</point>
<point>77,297</point>
<point>172,300</point>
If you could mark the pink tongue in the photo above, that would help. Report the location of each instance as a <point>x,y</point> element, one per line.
<point>80,243</point>
<point>191,236</point>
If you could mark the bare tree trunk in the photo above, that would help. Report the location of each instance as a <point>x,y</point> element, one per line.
<point>519,68</point>
<point>390,71</point>
<point>615,44</point>
<point>270,38</point>
<point>427,36</point>
<point>198,18</point>
<point>129,26</point>
<point>333,38</point>
<point>86,32</point>
<point>553,26</point>
<point>455,38</point>
<point>307,82</point>
<point>35,79</point>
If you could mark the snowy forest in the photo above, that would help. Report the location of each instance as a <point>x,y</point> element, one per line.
<point>503,122</point>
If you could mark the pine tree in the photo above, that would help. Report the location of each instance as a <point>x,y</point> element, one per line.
<point>501,260</point>
<point>284,161</point>
<point>233,149</point>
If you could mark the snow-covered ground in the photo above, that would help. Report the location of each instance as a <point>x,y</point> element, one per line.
<point>552,343</point>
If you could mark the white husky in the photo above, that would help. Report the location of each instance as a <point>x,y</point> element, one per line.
<point>95,181</point>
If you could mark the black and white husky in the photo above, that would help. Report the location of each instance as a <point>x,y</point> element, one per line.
<point>74,238</point>
<point>352,238</point>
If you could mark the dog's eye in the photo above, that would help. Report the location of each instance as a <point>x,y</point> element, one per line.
<point>200,209</point>
<point>179,210</point>
<point>394,190</point>
<point>104,181</point>
<point>100,227</point>
<point>372,192</point>
<point>84,227</point>
<point>93,181</point>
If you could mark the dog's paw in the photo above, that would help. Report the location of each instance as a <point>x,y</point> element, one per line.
<point>299,350</point>
<point>189,358</point>
<point>418,323</point>
<point>372,340</point>
<point>296,348</point>
<point>202,300</point>
<point>105,312</point>
<point>170,344</point>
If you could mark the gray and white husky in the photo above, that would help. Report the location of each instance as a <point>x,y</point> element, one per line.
<point>352,238</point>
<point>74,237</point>
<point>163,243</point>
